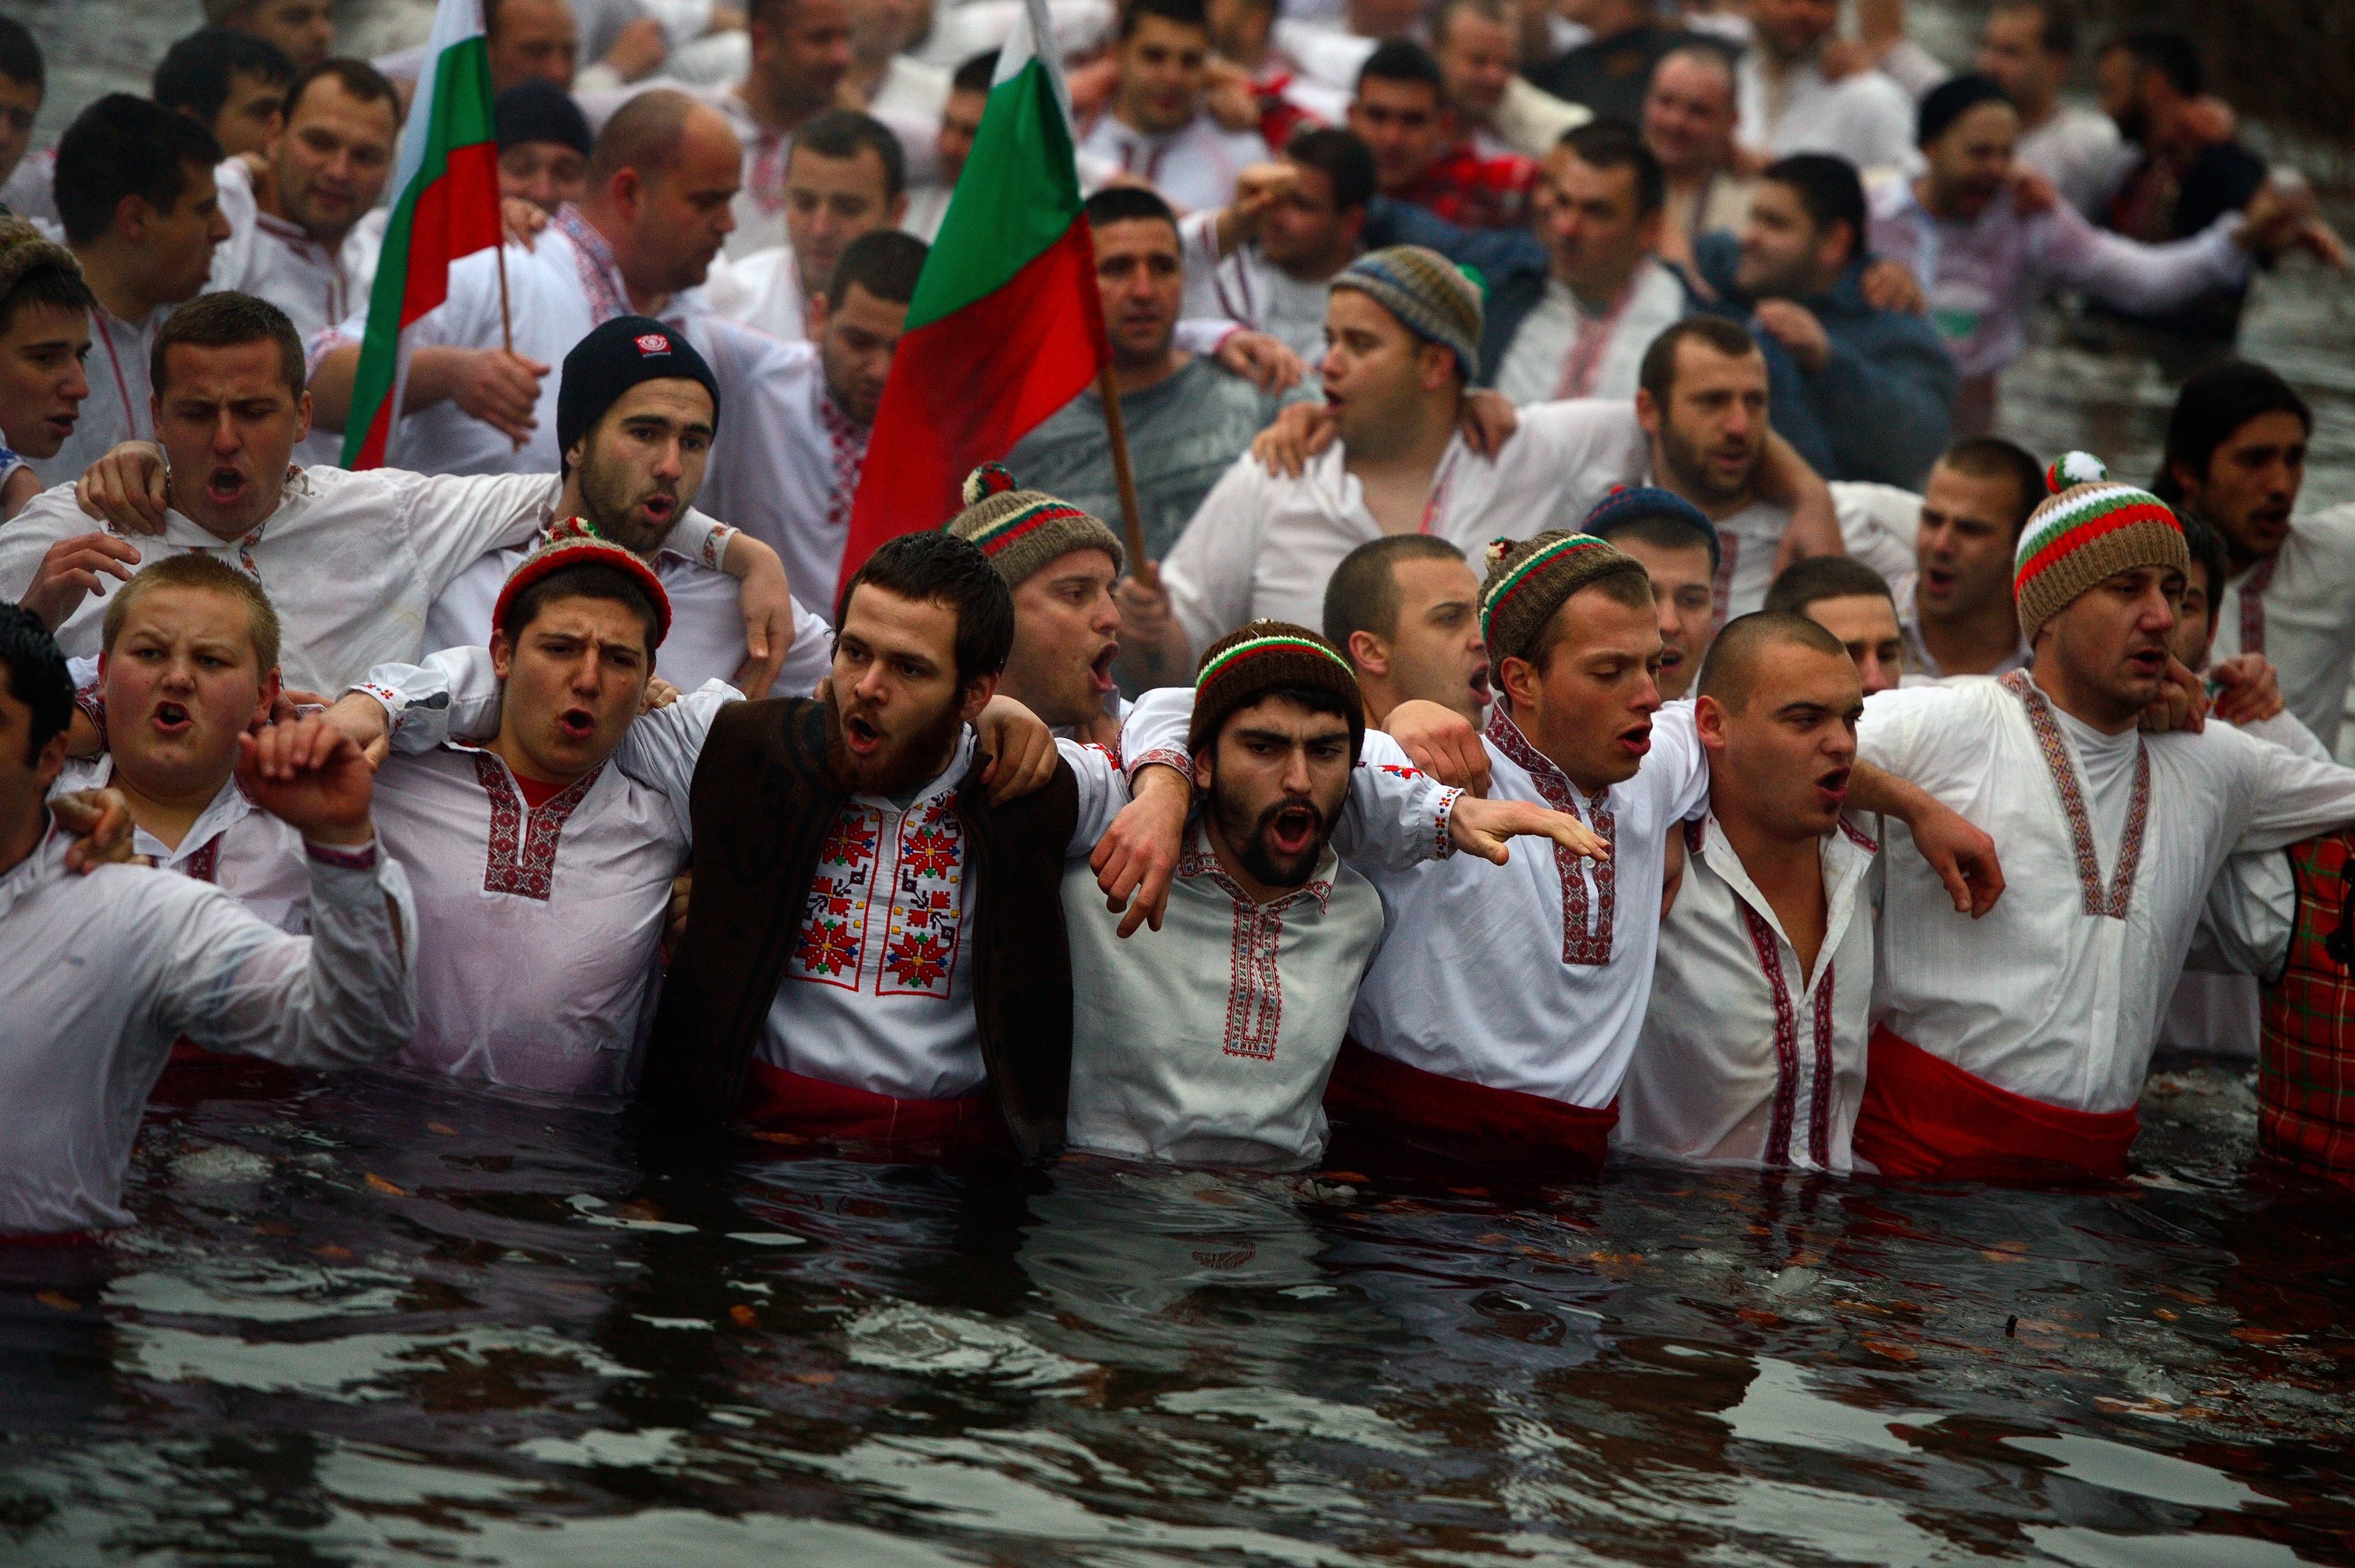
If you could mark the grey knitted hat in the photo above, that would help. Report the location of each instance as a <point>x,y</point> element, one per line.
<point>1430,294</point>
<point>1022,530</point>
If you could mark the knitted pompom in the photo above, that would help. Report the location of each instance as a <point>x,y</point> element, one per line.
<point>2075,468</point>
<point>574,528</point>
<point>1498,550</point>
<point>989,479</point>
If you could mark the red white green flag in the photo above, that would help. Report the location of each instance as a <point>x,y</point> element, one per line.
<point>1005,325</point>
<point>446,205</point>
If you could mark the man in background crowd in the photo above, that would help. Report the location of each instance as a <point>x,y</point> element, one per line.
<point>1405,611</point>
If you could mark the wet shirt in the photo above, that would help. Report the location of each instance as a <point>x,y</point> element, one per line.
<point>2294,609</point>
<point>1746,1058</point>
<point>1183,435</point>
<point>107,970</point>
<point>2041,997</point>
<point>233,844</point>
<point>1264,546</point>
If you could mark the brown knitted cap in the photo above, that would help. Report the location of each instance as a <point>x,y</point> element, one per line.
<point>1528,581</point>
<point>2089,528</point>
<point>1022,530</point>
<point>1262,657</point>
<point>24,250</point>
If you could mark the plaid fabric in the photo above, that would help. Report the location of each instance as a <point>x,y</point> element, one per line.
<point>1479,193</point>
<point>2305,1058</point>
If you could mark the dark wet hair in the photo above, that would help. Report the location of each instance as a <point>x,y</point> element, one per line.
<point>358,79</point>
<point>2214,403</point>
<point>121,146</point>
<point>20,57</point>
<point>1616,144</point>
<point>1991,456</point>
<point>1340,157</point>
<point>2207,550</point>
<point>1127,204</point>
<point>845,133</point>
<point>197,72</point>
<point>1803,582</point>
<point>937,567</point>
<point>1729,669</point>
<point>1184,13</point>
<point>1828,188</point>
<point>886,262</point>
<point>37,676</point>
<point>1657,374</point>
<point>1403,59</point>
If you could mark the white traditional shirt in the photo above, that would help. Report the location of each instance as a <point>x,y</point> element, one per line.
<point>763,289</point>
<point>316,285</point>
<point>2080,150</point>
<point>1983,277</point>
<point>1745,1058</point>
<point>106,970</point>
<point>539,926</point>
<point>1561,350</point>
<point>1246,288</point>
<point>1264,546</point>
<point>2298,608</point>
<point>1534,976</point>
<point>1865,118</point>
<point>1176,1056</point>
<point>707,626</point>
<point>2109,843</point>
<point>120,405</point>
<point>1195,166</point>
<point>352,562</point>
<point>233,844</point>
<point>787,469</point>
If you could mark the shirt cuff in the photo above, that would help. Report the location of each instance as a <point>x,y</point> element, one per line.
<point>1443,823</point>
<point>360,857</point>
<point>1167,756</point>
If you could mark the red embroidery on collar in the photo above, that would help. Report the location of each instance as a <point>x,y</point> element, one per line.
<point>1254,984</point>
<point>1860,837</point>
<point>1579,945</point>
<point>2095,901</point>
<point>204,866</point>
<point>521,857</point>
<point>847,447</point>
<point>600,278</point>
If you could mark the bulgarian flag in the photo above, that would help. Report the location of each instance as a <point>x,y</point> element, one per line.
<point>1005,325</point>
<point>446,183</point>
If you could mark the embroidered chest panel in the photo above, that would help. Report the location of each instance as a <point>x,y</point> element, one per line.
<point>899,887</point>
<point>2094,899</point>
<point>1254,984</point>
<point>1582,943</point>
<point>1787,1072</point>
<point>521,858</point>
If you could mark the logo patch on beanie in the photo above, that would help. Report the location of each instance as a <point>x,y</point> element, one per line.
<point>653,342</point>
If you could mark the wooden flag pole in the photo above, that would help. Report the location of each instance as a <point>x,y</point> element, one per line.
<point>507,328</point>
<point>1140,566</point>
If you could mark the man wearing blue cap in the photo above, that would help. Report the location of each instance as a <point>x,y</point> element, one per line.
<point>1677,547</point>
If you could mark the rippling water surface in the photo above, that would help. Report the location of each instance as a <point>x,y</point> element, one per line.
<point>371,1320</point>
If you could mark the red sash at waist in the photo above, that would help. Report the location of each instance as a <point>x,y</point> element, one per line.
<point>1469,1122</point>
<point>779,1102</point>
<point>1923,1117</point>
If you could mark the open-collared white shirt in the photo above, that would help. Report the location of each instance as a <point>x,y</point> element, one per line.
<point>2298,608</point>
<point>1746,1058</point>
<point>106,970</point>
<point>233,844</point>
<point>1561,350</point>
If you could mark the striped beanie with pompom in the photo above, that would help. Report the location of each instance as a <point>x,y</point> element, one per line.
<point>1528,581</point>
<point>2088,529</point>
<point>575,541</point>
<point>1022,530</point>
<point>1262,656</point>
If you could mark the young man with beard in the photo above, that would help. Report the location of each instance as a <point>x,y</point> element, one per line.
<point>1984,265</point>
<point>1752,1048</point>
<point>1233,1065</point>
<point>107,970</point>
<point>352,561</point>
<point>1156,128</point>
<point>1187,417</point>
<point>1862,392</point>
<point>142,217</point>
<point>1851,601</point>
<point>1499,1018</point>
<point>1947,554</point>
<point>1679,549</point>
<point>659,185</point>
<point>1268,261</point>
<point>1060,563</point>
<point>1405,612</point>
<point>2235,459</point>
<point>43,333</point>
<point>2019,1042</point>
<point>846,176</point>
<point>637,414</point>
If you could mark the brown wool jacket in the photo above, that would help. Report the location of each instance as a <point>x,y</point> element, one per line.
<point>761,804</point>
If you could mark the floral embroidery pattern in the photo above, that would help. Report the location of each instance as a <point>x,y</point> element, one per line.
<point>918,868</point>
<point>1580,944</point>
<point>1254,984</point>
<point>600,280</point>
<point>521,857</point>
<point>2094,900</point>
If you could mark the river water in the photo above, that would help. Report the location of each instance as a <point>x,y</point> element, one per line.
<point>374,1320</point>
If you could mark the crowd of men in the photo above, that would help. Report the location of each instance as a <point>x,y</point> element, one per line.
<point>1595,682</point>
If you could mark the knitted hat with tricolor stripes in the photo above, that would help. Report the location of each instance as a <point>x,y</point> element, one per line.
<point>574,541</point>
<point>1431,296</point>
<point>2088,529</point>
<point>1528,581</point>
<point>1022,530</point>
<point>1262,656</point>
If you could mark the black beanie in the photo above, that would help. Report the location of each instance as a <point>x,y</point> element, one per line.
<point>616,357</point>
<point>1950,101</point>
<point>536,110</point>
